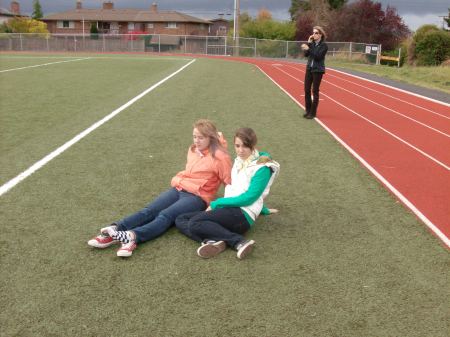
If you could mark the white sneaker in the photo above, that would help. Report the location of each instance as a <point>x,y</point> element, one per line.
<point>102,241</point>
<point>244,248</point>
<point>211,248</point>
<point>126,249</point>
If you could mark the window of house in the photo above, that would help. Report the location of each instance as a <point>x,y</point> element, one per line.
<point>171,25</point>
<point>130,25</point>
<point>65,24</point>
<point>150,25</point>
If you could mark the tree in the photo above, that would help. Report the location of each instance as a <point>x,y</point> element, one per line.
<point>24,25</point>
<point>432,45</point>
<point>264,14</point>
<point>37,10</point>
<point>298,6</point>
<point>264,27</point>
<point>365,21</point>
<point>447,19</point>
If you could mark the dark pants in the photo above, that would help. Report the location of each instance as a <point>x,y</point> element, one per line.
<point>159,215</point>
<point>312,79</point>
<point>221,224</point>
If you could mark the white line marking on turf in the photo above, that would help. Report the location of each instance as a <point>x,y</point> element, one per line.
<point>36,166</point>
<point>379,126</point>
<point>381,105</point>
<point>397,193</point>
<point>45,64</point>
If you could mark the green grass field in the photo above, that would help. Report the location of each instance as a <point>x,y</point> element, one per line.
<point>342,258</point>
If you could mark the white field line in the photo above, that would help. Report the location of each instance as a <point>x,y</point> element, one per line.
<point>45,64</point>
<point>390,96</point>
<point>383,180</point>
<point>36,166</point>
<point>378,126</point>
<point>381,105</point>
<point>391,87</point>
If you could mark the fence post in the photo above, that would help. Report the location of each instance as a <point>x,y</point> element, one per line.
<point>159,43</point>
<point>185,50</point>
<point>206,46</point>
<point>225,37</point>
<point>351,48</point>
<point>48,45</point>
<point>287,49</point>
<point>103,47</point>
<point>21,43</point>
<point>379,54</point>
<point>399,56</point>
<point>255,48</point>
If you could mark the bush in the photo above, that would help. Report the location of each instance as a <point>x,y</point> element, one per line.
<point>432,47</point>
<point>94,31</point>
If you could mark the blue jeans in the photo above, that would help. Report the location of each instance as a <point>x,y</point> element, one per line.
<point>158,216</point>
<point>220,224</point>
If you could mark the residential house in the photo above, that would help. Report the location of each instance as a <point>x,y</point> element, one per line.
<point>14,11</point>
<point>125,21</point>
<point>219,27</point>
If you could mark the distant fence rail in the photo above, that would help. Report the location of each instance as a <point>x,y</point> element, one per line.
<point>190,44</point>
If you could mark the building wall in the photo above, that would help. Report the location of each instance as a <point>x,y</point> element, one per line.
<point>123,28</point>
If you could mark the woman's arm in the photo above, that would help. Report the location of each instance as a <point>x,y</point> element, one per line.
<point>257,186</point>
<point>319,52</point>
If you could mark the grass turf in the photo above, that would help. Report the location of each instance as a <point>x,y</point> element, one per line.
<point>342,258</point>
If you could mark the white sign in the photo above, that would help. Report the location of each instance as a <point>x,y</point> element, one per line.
<point>368,48</point>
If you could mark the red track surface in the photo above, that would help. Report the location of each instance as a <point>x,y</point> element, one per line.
<point>403,139</point>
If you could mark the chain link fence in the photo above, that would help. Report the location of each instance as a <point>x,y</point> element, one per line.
<point>183,44</point>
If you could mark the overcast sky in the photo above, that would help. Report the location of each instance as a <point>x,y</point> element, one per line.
<point>414,12</point>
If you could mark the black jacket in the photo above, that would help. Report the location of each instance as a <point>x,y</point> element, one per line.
<point>316,56</point>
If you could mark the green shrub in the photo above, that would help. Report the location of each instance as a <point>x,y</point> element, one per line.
<point>433,48</point>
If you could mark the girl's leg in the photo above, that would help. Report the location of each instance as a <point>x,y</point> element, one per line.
<point>308,83</point>
<point>149,212</point>
<point>317,78</point>
<point>222,224</point>
<point>186,203</point>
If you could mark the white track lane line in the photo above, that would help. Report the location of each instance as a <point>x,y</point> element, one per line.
<point>383,180</point>
<point>45,64</point>
<point>376,125</point>
<point>36,166</point>
<point>381,105</point>
<point>394,88</point>
<point>390,96</point>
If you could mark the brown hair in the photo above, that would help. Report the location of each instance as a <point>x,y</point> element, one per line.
<point>247,136</point>
<point>322,32</point>
<point>208,129</point>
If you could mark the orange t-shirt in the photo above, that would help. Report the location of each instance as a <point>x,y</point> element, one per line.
<point>204,174</point>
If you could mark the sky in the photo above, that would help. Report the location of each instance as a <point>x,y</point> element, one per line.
<point>414,12</point>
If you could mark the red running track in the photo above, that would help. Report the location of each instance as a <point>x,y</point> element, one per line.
<point>401,138</point>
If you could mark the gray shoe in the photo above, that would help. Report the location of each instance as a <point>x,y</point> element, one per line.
<point>210,249</point>
<point>244,248</point>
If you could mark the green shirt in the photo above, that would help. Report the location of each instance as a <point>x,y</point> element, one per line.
<point>258,184</point>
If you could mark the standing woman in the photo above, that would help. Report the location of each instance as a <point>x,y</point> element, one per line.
<point>208,166</point>
<point>315,50</point>
<point>230,217</point>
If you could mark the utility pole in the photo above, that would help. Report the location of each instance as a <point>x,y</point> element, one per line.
<point>237,13</point>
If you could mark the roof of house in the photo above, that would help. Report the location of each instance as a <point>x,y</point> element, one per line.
<point>128,15</point>
<point>5,12</point>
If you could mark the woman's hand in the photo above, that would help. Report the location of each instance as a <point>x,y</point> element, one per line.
<point>208,209</point>
<point>311,38</point>
<point>305,46</point>
<point>273,210</point>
